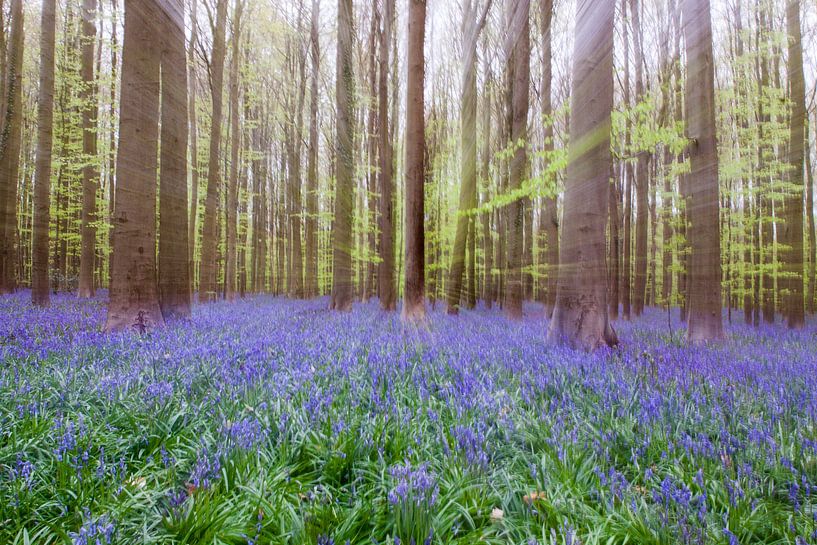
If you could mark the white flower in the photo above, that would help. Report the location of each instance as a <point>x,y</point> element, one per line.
<point>496,515</point>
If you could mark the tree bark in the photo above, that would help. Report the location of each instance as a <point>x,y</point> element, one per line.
<point>580,317</point>
<point>174,254</point>
<point>641,174</point>
<point>385,274</point>
<point>550,215</point>
<point>134,296</point>
<point>793,229</point>
<point>414,310</point>
<point>310,224</point>
<point>42,182</point>
<point>209,243</point>
<point>342,283</point>
<point>194,142</point>
<point>10,144</point>
<point>235,146</point>
<point>704,319</point>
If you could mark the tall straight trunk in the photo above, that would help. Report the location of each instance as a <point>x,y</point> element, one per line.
<point>471,27</point>
<point>134,296</point>
<point>705,322</point>
<point>793,229</point>
<point>519,163</point>
<point>414,309</point>
<point>342,283</point>
<point>209,242</point>
<point>235,146</point>
<point>387,291</point>
<point>89,171</point>
<point>10,143</point>
<point>641,174</point>
<point>615,243</point>
<point>580,316</point>
<point>194,141</point>
<point>487,235</point>
<point>42,181</point>
<point>311,220</point>
<point>765,204</point>
<point>812,233</point>
<point>112,132</point>
<point>296,281</point>
<point>174,265</point>
<point>550,215</point>
<point>372,141</point>
<point>626,266</point>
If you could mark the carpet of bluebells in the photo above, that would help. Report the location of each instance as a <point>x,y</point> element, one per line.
<point>276,421</point>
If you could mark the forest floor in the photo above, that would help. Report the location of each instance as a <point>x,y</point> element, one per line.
<point>268,420</point>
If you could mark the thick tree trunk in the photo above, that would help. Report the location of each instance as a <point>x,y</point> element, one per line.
<point>519,163</point>
<point>209,242</point>
<point>174,265</point>
<point>580,317</point>
<point>311,221</point>
<point>793,229</point>
<point>89,171</point>
<point>342,283</point>
<point>414,310</point>
<point>10,143</point>
<point>194,143</point>
<point>134,296</point>
<point>705,322</point>
<point>42,182</point>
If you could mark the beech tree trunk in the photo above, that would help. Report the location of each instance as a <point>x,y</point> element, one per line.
<point>10,143</point>
<point>704,316</point>
<point>231,209</point>
<point>793,229</point>
<point>209,242</point>
<point>580,317</point>
<point>194,142</point>
<point>134,296</point>
<point>414,310</point>
<point>385,274</point>
<point>311,221</point>
<point>627,171</point>
<point>641,175</point>
<point>174,254</point>
<point>89,171</point>
<point>550,215</point>
<point>40,293</point>
<point>342,283</point>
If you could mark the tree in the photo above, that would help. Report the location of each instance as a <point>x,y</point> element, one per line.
<point>704,315</point>
<point>520,59</point>
<point>385,274</point>
<point>641,174</point>
<point>10,144</point>
<point>550,216</point>
<point>414,310</point>
<point>134,297</point>
<point>42,179</point>
<point>174,266</point>
<point>793,229</point>
<point>194,144</point>
<point>207,277</point>
<point>231,208</point>
<point>472,23</point>
<point>89,171</point>
<point>310,223</point>
<point>580,316</point>
<point>344,188</point>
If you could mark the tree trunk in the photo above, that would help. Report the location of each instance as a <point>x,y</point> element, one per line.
<point>209,242</point>
<point>10,142</point>
<point>705,322</point>
<point>550,215</point>
<point>812,235</point>
<point>194,143</point>
<point>42,182</point>
<point>235,146</point>
<point>487,235</point>
<point>795,310</point>
<point>641,174</point>
<point>626,266</point>
<point>385,274</point>
<point>580,317</point>
<point>414,310</point>
<point>89,171</point>
<point>342,283</point>
<point>134,297</point>
<point>519,162</point>
<point>310,224</point>
<point>174,265</point>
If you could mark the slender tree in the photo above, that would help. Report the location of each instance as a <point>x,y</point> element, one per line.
<point>231,208</point>
<point>385,274</point>
<point>342,284</point>
<point>134,296</point>
<point>580,316</point>
<point>42,179</point>
<point>414,310</point>
<point>209,242</point>
<point>704,318</point>
<point>550,216</point>
<point>194,137</point>
<point>311,219</point>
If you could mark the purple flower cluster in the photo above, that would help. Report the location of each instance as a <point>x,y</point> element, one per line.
<point>413,485</point>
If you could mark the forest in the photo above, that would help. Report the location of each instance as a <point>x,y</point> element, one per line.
<point>408,272</point>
